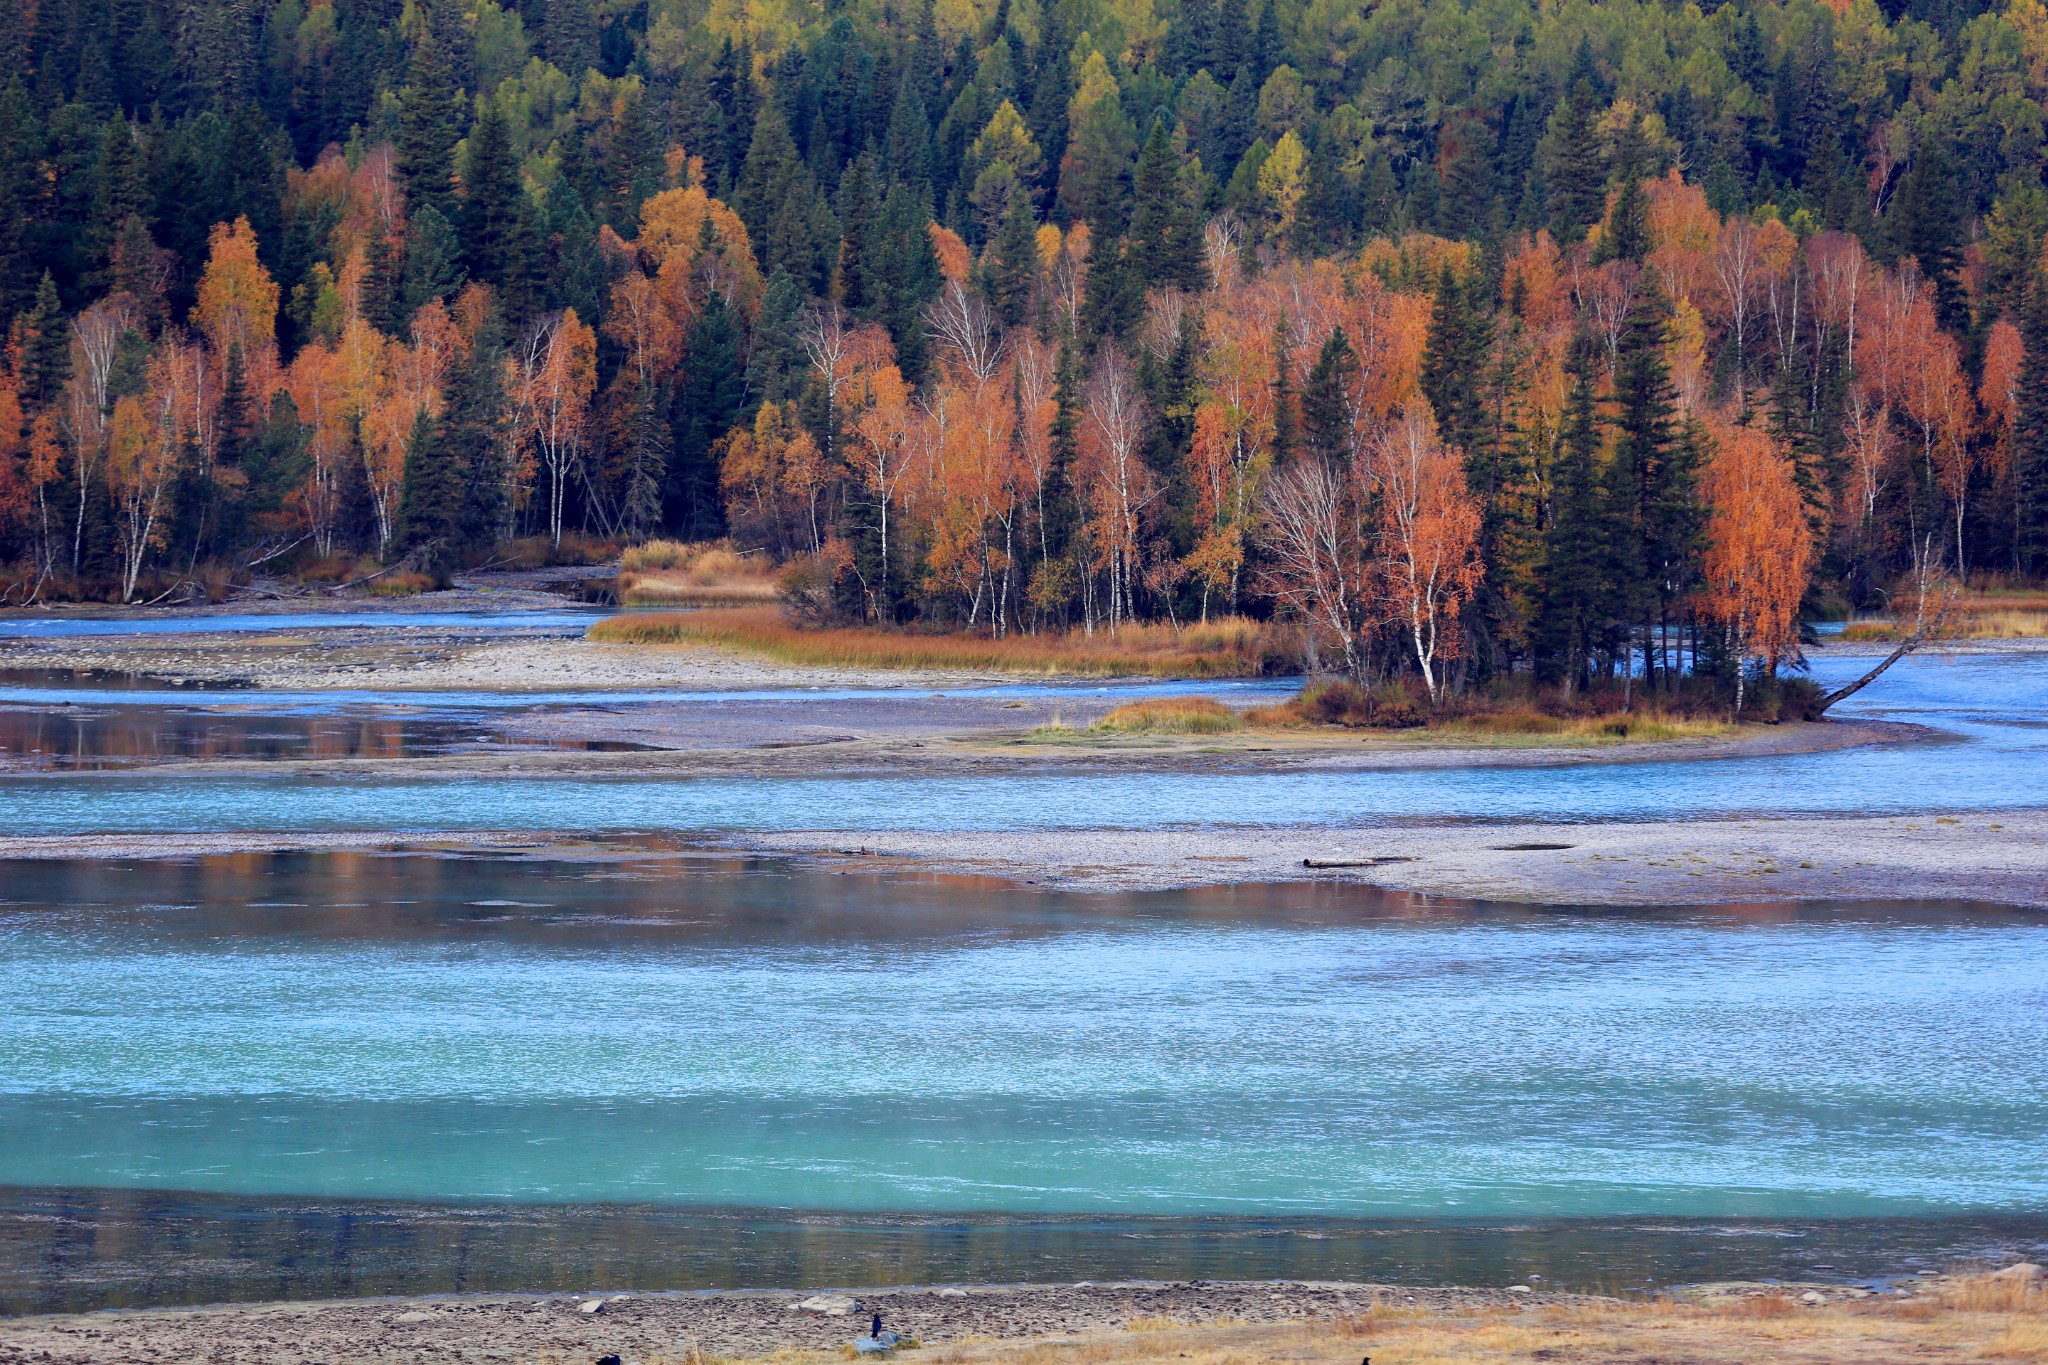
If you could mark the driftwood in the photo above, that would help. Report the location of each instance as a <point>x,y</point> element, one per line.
<point>1934,597</point>
<point>1357,862</point>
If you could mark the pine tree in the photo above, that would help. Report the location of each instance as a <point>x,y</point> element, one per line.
<point>1575,173</point>
<point>1652,481</point>
<point>452,500</point>
<point>1925,221</point>
<point>430,106</point>
<point>1012,263</point>
<point>433,261</point>
<point>496,214</point>
<point>2030,436</point>
<point>707,404</point>
<point>45,349</point>
<point>1165,236</point>
<point>1573,619</point>
<point>1628,227</point>
<point>1325,399</point>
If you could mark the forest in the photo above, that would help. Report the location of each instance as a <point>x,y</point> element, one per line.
<point>1475,339</point>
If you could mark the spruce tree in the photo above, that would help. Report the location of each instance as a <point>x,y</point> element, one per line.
<point>771,170</point>
<point>451,502</point>
<point>496,214</point>
<point>1165,235</point>
<point>1460,338</point>
<point>1575,173</point>
<point>568,35</point>
<point>433,261</point>
<point>1325,399</point>
<point>1011,268</point>
<point>1652,480</point>
<point>2030,437</point>
<point>45,349</point>
<point>1628,227</point>
<point>707,404</point>
<point>1574,612</point>
<point>860,276</point>
<point>1925,221</point>
<point>430,107</point>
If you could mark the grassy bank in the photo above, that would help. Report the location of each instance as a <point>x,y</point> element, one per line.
<point>1222,649</point>
<point>1971,1320</point>
<point>1337,707</point>
<point>1978,614</point>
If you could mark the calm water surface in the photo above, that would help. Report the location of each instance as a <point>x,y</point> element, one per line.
<point>748,1034</point>
<point>1991,710</point>
<point>246,1076</point>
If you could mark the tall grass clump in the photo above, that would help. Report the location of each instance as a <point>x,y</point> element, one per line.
<point>673,573</point>
<point>1172,716</point>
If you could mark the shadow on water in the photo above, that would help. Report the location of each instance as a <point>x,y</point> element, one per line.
<point>80,1249</point>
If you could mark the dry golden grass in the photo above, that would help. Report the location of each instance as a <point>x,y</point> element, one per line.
<point>670,573</point>
<point>1993,614</point>
<point>1172,716</point>
<point>1639,725</point>
<point>1964,1324</point>
<point>1221,649</point>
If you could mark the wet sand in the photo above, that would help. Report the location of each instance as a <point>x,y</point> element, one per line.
<point>2000,858</point>
<point>1983,859</point>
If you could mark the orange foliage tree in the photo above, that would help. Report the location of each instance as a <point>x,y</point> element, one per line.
<point>1759,549</point>
<point>1429,559</point>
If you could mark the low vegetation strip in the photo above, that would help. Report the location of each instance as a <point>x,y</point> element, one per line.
<point>669,573</point>
<point>1228,648</point>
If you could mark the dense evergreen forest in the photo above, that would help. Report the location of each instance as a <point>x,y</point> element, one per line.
<point>1481,337</point>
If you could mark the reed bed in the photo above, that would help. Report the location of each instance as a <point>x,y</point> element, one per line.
<point>1996,613</point>
<point>1221,649</point>
<point>670,573</point>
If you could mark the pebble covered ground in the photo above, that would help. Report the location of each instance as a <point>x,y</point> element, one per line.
<point>652,1328</point>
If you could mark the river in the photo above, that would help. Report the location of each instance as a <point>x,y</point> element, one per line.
<point>249,1075</point>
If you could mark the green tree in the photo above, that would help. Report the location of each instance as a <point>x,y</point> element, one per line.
<point>430,109</point>
<point>45,348</point>
<point>1166,232</point>
<point>1574,618</point>
<point>1575,171</point>
<point>2030,436</point>
<point>496,213</point>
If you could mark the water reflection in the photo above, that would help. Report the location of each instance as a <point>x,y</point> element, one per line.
<point>78,1250</point>
<point>54,627</point>
<point>84,739</point>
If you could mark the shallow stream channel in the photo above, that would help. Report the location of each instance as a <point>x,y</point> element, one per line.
<point>289,1075</point>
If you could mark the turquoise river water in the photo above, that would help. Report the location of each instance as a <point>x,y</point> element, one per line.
<point>334,1073</point>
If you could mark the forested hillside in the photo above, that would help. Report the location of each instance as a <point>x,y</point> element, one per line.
<point>1480,336</point>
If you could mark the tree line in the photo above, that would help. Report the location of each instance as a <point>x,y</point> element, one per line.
<point>1589,342</point>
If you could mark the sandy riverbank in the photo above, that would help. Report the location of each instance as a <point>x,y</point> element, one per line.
<point>1999,858</point>
<point>1984,859</point>
<point>1129,1324</point>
